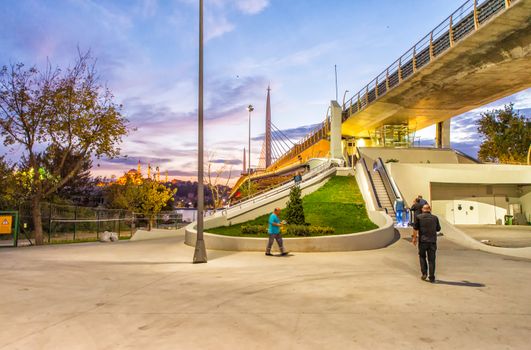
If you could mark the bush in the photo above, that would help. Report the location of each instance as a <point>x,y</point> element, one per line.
<point>307,230</point>
<point>294,212</point>
<point>253,229</point>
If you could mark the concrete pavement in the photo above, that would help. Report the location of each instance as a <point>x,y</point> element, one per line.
<point>501,236</point>
<point>147,295</point>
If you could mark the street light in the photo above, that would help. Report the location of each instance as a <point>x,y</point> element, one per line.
<point>344,95</point>
<point>200,250</point>
<point>250,108</point>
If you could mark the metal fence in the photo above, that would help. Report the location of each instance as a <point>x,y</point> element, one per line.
<point>69,223</point>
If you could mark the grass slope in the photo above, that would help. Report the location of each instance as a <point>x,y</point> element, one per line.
<point>337,204</point>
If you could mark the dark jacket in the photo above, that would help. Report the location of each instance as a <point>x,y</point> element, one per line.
<point>428,225</point>
<point>416,209</point>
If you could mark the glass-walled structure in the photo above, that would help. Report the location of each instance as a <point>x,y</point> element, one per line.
<point>391,136</point>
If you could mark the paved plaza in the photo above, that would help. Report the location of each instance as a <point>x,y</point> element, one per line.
<point>147,295</point>
<point>500,236</point>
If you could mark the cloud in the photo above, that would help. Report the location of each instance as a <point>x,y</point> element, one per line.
<point>218,13</point>
<point>251,7</point>
<point>291,134</point>
<point>226,161</point>
<point>470,148</point>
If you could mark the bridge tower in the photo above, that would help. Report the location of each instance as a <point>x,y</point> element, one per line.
<point>268,129</point>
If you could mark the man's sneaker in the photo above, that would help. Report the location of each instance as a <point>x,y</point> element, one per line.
<point>424,277</point>
<point>284,253</point>
<point>269,254</point>
<point>432,280</point>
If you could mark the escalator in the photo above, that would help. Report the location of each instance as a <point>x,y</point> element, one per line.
<point>384,191</point>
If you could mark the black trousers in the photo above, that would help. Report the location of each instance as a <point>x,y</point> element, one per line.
<point>427,250</point>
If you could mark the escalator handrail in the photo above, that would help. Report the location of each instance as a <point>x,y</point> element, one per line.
<point>372,182</point>
<point>387,178</point>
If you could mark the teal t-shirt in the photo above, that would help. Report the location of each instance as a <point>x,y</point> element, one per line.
<point>273,230</point>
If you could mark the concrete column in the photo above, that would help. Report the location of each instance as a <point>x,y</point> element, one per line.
<point>442,134</point>
<point>336,149</point>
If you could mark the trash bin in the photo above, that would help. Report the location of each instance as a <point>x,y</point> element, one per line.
<point>508,219</point>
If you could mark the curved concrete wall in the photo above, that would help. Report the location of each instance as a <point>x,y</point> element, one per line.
<point>374,239</point>
<point>459,237</point>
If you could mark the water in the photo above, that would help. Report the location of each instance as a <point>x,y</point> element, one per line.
<point>189,214</point>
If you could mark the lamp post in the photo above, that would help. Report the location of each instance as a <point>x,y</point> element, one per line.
<point>250,108</point>
<point>344,95</point>
<point>335,70</point>
<point>200,250</point>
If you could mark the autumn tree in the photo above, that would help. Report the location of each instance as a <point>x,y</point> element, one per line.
<point>8,186</point>
<point>145,196</point>
<point>55,113</point>
<point>507,136</point>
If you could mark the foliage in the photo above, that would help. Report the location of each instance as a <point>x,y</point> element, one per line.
<point>308,230</point>
<point>147,197</point>
<point>507,136</point>
<point>246,190</point>
<point>52,114</point>
<point>253,229</point>
<point>294,212</point>
<point>9,188</point>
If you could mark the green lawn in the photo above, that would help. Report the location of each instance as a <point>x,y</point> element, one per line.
<point>337,204</point>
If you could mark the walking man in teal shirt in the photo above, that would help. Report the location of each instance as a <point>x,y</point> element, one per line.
<point>274,232</point>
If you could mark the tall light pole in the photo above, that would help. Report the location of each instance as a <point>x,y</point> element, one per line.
<point>344,96</point>
<point>200,249</point>
<point>335,70</point>
<point>250,108</point>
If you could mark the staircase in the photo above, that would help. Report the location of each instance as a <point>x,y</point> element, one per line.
<point>382,194</point>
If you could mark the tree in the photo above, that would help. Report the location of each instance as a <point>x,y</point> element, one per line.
<point>56,113</point>
<point>8,186</point>
<point>153,197</point>
<point>507,136</point>
<point>294,209</point>
<point>142,196</point>
<point>213,178</point>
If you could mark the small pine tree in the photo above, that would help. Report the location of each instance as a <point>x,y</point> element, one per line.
<point>294,208</point>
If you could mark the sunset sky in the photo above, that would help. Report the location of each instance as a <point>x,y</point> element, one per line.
<point>147,54</point>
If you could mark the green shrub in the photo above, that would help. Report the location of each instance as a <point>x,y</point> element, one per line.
<point>253,229</point>
<point>294,212</point>
<point>307,230</point>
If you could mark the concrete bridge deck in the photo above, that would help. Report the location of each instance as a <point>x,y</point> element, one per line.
<point>147,295</point>
<point>492,62</point>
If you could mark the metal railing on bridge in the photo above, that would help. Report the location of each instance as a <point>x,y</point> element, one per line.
<point>271,191</point>
<point>465,20</point>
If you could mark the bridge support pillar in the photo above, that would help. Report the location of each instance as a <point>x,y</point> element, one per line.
<point>442,134</point>
<point>336,148</point>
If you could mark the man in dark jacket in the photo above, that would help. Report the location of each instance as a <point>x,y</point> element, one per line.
<point>425,231</point>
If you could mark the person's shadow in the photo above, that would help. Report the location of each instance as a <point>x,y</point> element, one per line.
<point>460,283</point>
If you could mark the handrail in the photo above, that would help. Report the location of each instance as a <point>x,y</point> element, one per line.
<point>243,205</point>
<point>372,182</point>
<point>387,181</point>
<point>452,29</point>
<point>272,191</point>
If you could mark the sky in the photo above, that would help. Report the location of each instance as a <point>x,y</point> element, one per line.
<point>146,53</point>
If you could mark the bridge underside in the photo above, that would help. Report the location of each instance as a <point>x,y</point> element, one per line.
<point>492,63</point>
